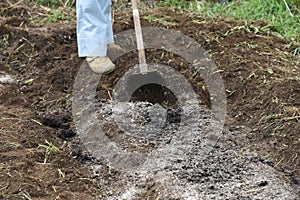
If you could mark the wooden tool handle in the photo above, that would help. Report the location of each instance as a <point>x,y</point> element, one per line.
<point>139,37</point>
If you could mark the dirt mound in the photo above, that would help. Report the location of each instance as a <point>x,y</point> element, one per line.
<point>260,75</point>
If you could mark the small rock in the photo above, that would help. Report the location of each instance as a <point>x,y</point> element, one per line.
<point>212,187</point>
<point>263,183</point>
<point>6,79</point>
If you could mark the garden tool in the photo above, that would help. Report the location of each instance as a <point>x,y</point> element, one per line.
<point>145,75</point>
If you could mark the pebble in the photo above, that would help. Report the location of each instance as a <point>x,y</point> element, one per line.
<point>6,79</point>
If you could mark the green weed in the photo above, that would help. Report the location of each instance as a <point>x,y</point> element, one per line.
<point>50,150</point>
<point>5,39</point>
<point>55,16</point>
<point>56,3</point>
<point>163,21</point>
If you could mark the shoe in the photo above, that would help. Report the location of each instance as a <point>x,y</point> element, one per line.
<point>100,64</point>
<point>114,46</point>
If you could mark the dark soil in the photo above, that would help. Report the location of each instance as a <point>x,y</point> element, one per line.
<point>260,74</point>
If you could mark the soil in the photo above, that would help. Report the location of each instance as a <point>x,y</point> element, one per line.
<point>260,74</point>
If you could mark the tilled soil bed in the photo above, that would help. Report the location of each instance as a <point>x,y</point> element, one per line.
<point>259,146</point>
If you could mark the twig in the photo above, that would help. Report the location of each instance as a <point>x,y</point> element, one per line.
<point>12,5</point>
<point>9,3</point>
<point>113,17</point>
<point>18,48</point>
<point>45,8</point>
<point>283,157</point>
<point>66,3</point>
<point>254,190</point>
<point>108,92</point>
<point>290,118</point>
<point>294,158</point>
<point>4,187</point>
<point>10,118</point>
<point>39,123</point>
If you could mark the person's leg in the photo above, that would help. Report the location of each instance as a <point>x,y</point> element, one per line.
<point>94,33</point>
<point>94,27</point>
<point>105,5</point>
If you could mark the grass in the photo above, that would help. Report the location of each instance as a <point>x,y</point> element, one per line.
<point>55,16</point>
<point>56,10</point>
<point>163,21</point>
<point>50,149</point>
<point>56,3</point>
<point>281,22</point>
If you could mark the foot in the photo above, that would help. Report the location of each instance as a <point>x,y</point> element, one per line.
<point>114,46</point>
<point>100,64</point>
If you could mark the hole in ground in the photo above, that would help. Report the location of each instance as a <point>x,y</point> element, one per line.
<point>155,93</point>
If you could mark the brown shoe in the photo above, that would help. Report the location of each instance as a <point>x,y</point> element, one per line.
<point>114,46</point>
<point>100,64</point>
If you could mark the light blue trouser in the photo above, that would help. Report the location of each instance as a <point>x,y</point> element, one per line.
<point>94,27</point>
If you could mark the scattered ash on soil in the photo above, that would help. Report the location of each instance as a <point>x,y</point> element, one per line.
<point>178,167</point>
